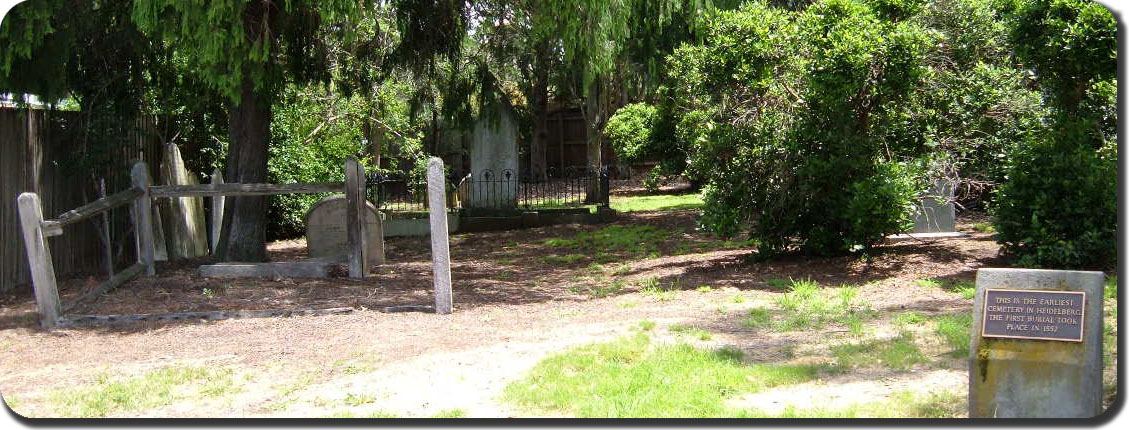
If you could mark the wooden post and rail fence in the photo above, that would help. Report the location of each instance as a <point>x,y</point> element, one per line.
<point>140,197</point>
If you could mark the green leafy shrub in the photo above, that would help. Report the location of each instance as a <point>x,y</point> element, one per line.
<point>1059,207</point>
<point>629,131</point>
<point>802,144</point>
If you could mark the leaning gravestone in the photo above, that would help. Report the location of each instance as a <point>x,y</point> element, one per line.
<point>493,155</point>
<point>185,231</point>
<point>1036,349</point>
<point>326,236</point>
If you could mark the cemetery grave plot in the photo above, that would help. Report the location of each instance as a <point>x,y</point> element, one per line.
<point>567,263</point>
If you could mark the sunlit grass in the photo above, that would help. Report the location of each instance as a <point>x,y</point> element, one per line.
<point>110,395</point>
<point>630,377</point>
<point>656,203</point>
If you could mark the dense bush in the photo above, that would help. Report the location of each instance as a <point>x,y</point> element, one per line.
<point>1058,208</point>
<point>801,144</point>
<point>629,131</point>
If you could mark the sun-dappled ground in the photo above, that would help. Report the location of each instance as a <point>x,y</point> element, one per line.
<point>646,316</point>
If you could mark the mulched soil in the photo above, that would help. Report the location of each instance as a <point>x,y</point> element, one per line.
<point>507,268</point>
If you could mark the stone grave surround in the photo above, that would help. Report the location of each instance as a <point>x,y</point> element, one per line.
<point>494,150</point>
<point>1036,349</point>
<point>327,237</point>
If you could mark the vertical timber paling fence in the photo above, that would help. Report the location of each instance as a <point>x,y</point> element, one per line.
<point>36,229</point>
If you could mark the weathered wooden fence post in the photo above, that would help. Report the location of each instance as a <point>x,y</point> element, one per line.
<point>143,217</point>
<point>217,211</point>
<point>440,248</point>
<point>39,260</point>
<point>355,220</point>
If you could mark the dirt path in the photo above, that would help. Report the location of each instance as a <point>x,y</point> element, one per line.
<point>414,364</point>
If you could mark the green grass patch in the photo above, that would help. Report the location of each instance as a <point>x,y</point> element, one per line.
<point>666,202</point>
<point>898,353</point>
<point>646,325</point>
<point>909,318</point>
<point>956,330</point>
<point>807,306</point>
<point>902,404</point>
<point>737,298</point>
<point>758,317</point>
<point>638,240</point>
<point>114,395</point>
<point>984,227</point>
<point>630,377</point>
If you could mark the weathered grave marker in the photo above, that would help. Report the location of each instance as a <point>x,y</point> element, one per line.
<point>440,248</point>
<point>1036,349</point>
<point>936,212</point>
<point>184,216</point>
<point>326,236</point>
<point>493,156</point>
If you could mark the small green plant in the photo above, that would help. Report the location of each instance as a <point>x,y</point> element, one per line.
<point>956,330</point>
<point>607,290</point>
<point>703,289</point>
<point>651,287</point>
<point>646,325</point>
<point>737,298</point>
<point>208,292</point>
<point>504,275</point>
<point>806,306</point>
<point>357,400</point>
<point>758,317</point>
<point>777,283</point>
<point>450,413</point>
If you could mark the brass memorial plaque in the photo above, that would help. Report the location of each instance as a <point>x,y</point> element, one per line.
<point>1034,314</point>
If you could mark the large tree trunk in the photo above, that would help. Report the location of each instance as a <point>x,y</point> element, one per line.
<point>243,237</point>
<point>593,120</point>
<point>540,125</point>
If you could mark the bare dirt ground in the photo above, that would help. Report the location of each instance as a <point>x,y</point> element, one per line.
<point>512,309</point>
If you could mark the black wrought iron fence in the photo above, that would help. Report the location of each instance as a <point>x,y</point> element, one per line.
<point>564,188</point>
<point>396,192</point>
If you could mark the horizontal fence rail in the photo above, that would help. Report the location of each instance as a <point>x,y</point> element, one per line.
<point>205,190</point>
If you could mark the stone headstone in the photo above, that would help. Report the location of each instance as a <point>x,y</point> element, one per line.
<point>936,212</point>
<point>186,234</point>
<point>440,246</point>
<point>326,236</point>
<point>1036,349</point>
<point>494,160</point>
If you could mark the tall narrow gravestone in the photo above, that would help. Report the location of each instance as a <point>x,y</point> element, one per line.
<point>326,236</point>
<point>185,232</point>
<point>1036,348</point>
<point>493,160</point>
